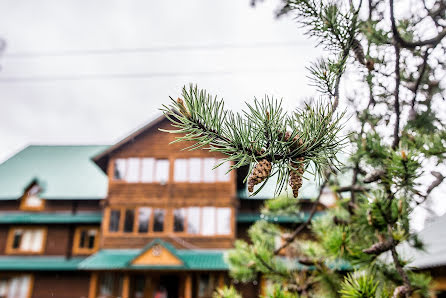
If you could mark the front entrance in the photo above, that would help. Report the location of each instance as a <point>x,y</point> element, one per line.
<point>156,284</point>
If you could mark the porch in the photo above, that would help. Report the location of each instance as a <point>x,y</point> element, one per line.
<point>155,284</point>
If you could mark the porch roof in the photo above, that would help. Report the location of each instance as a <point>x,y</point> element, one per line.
<point>192,259</point>
<point>253,217</point>
<point>49,218</point>
<point>39,263</point>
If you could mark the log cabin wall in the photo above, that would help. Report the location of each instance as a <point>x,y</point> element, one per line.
<point>60,284</point>
<point>155,144</point>
<point>56,205</point>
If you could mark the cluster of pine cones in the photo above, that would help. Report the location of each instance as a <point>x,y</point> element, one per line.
<point>262,170</point>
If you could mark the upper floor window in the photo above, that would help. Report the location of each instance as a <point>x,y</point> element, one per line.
<point>26,240</point>
<point>86,240</point>
<point>200,170</point>
<point>31,200</point>
<point>143,170</point>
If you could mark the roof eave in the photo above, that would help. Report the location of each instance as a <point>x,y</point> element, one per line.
<point>102,158</point>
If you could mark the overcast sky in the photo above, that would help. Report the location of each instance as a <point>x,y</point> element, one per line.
<point>72,71</point>
<point>90,72</point>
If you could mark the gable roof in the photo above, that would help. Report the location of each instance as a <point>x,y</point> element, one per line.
<point>63,172</point>
<point>101,159</point>
<point>193,259</point>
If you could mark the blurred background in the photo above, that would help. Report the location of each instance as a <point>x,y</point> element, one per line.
<point>83,72</point>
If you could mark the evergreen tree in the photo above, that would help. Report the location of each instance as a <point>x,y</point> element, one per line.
<point>397,146</point>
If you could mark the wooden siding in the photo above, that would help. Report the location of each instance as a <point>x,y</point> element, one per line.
<point>61,285</point>
<point>140,241</point>
<point>155,144</point>
<point>55,205</point>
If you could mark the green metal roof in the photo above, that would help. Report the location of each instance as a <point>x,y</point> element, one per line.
<point>38,263</point>
<point>196,259</point>
<point>49,218</point>
<point>253,217</point>
<point>64,172</point>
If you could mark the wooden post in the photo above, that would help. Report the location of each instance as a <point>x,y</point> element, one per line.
<point>188,286</point>
<point>221,280</point>
<point>93,285</point>
<point>126,286</point>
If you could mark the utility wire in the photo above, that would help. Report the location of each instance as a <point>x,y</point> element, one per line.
<point>148,75</point>
<point>119,51</point>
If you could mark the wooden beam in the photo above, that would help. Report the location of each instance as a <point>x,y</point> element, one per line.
<point>188,286</point>
<point>126,286</point>
<point>93,285</point>
<point>221,280</point>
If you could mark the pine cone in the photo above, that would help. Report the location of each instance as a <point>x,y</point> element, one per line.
<point>260,172</point>
<point>296,176</point>
<point>359,51</point>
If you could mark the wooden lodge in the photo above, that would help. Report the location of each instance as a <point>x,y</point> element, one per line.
<point>137,219</point>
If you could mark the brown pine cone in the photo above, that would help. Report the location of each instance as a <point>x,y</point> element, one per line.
<point>296,176</point>
<point>260,172</point>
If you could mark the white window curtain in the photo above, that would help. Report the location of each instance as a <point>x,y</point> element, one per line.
<point>132,170</point>
<point>195,170</point>
<point>180,170</point>
<point>208,172</point>
<point>147,169</point>
<point>208,221</point>
<point>162,170</point>
<point>223,221</point>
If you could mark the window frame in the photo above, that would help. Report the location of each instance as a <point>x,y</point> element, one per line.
<point>168,222</point>
<point>200,228</point>
<point>140,170</point>
<point>9,277</point>
<point>10,240</point>
<point>77,250</point>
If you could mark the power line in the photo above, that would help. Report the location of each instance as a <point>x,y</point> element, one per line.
<point>148,75</point>
<point>119,51</point>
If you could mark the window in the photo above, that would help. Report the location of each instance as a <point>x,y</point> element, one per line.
<point>223,221</point>
<point>200,170</point>
<point>144,219</point>
<point>31,200</point>
<point>15,286</point>
<point>110,285</point>
<point>120,167</point>
<point>158,220</point>
<point>86,240</point>
<point>26,240</point>
<point>135,221</point>
<point>132,170</point>
<point>207,283</point>
<point>115,216</point>
<point>129,220</point>
<point>208,221</point>
<point>179,216</point>
<point>162,170</point>
<point>145,170</point>
<point>193,220</point>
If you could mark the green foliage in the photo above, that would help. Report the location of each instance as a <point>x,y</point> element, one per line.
<point>259,132</point>
<point>226,292</point>
<point>358,285</point>
<point>277,291</point>
<point>398,137</point>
